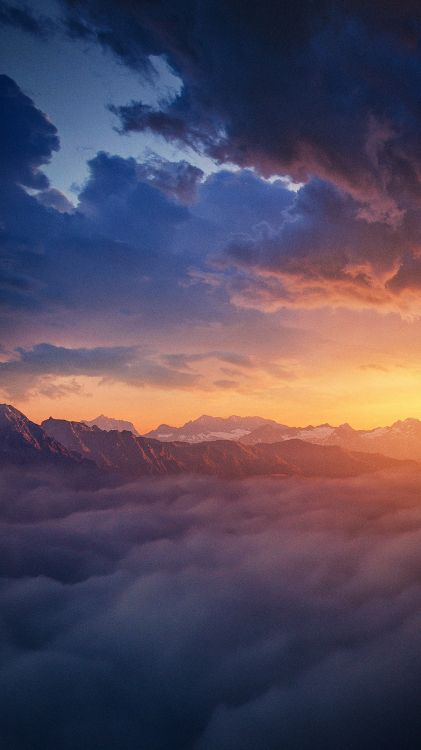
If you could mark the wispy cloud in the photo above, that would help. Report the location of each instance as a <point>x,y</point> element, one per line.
<point>31,370</point>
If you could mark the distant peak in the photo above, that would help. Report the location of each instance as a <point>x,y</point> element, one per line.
<point>103,422</point>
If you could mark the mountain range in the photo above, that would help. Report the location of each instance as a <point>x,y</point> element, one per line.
<point>128,456</point>
<point>400,440</point>
<point>205,429</point>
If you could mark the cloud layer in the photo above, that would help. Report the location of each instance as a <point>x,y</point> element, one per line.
<point>204,615</point>
<point>315,92</point>
<point>157,239</point>
<point>320,90</point>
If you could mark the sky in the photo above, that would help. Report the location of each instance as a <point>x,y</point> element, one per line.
<point>207,207</point>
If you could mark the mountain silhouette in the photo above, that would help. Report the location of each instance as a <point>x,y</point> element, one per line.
<point>137,456</point>
<point>72,445</point>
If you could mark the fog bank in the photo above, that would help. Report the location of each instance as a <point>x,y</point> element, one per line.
<point>195,614</point>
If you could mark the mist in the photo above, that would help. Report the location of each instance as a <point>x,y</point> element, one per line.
<point>197,614</point>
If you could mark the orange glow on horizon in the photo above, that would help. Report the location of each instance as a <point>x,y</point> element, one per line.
<point>365,398</point>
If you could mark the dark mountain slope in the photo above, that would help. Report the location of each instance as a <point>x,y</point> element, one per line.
<point>113,450</point>
<point>23,441</point>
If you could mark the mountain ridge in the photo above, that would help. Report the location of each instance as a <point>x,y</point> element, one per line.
<point>110,423</point>
<point>401,439</point>
<point>70,444</point>
<point>207,428</point>
<point>138,456</point>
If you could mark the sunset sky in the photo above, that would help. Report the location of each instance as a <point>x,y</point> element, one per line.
<point>211,209</point>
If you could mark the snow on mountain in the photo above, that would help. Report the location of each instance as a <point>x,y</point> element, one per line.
<point>206,429</point>
<point>400,440</point>
<point>269,433</point>
<point>132,456</point>
<point>65,445</point>
<point>109,423</point>
<point>316,434</point>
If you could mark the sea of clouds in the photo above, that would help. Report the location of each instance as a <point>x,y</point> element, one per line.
<point>195,614</point>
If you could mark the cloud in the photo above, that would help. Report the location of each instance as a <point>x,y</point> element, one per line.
<point>27,138</point>
<point>144,230</point>
<point>121,256</point>
<point>120,235</point>
<point>117,260</point>
<point>246,366</point>
<point>26,372</point>
<point>226,384</point>
<point>313,91</point>
<point>32,370</point>
<point>173,126</point>
<point>183,361</point>
<point>160,254</point>
<point>53,198</point>
<point>130,230</point>
<point>118,200</point>
<point>208,615</point>
<point>322,253</point>
<point>178,179</point>
<point>25,19</point>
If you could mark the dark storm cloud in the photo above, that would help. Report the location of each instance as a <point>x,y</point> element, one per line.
<point>112,251</point>
<point>30,370</point>
<point>196,614</point>
<point>126,248</point>
<point>131,247</point>
<point>123,252</point>
<point>25,19</point>
<point>325,92</point>
<point>137,242</point>
<point>322,252</point>
<point>327,89</point>
<point>27,138</point>
<point>121,204</point>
